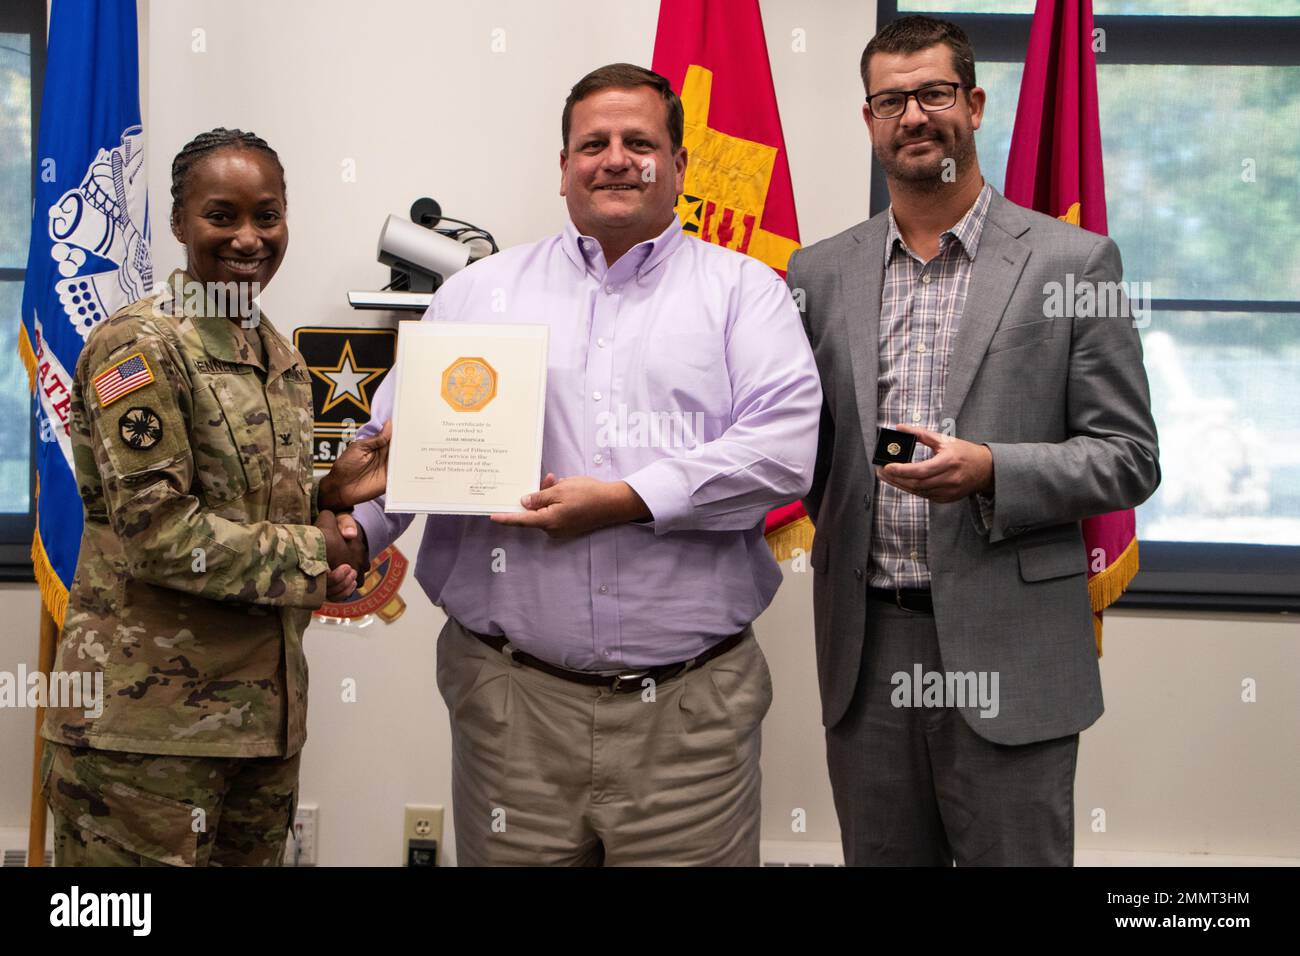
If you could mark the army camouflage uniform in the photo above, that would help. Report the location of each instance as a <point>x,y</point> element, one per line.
<point>196,811</point>
<point>198,571</point>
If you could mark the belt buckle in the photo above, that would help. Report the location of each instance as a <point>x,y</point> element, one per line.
<point>618,684</point>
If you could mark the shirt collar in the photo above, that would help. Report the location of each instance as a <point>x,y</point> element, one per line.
<point>218,334</point>
<point>186,297</point>
<point>966,231</point>
<point>585,251</point>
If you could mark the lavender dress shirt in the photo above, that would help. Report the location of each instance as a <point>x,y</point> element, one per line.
<point>683,369</point>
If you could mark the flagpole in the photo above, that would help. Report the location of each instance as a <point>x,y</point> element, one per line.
<point>45,663</point>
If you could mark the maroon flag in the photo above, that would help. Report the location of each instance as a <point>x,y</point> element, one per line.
<point>1055,167</point>
<point>737,191</point>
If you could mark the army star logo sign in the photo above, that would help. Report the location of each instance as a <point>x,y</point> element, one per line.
<point>347,365</point>
<point>347,382</point>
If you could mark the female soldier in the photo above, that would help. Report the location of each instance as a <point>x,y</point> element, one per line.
<point>203,551</point>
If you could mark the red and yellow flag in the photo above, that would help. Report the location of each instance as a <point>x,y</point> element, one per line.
<point>1055,167</point>
<point>737,191</point>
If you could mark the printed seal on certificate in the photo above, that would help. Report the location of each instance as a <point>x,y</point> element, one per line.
<point>468,384</point>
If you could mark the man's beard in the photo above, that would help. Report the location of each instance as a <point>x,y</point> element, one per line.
<point>929,176</point>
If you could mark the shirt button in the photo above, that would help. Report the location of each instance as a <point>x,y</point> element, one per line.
<point>600,343</point>
<point>913,555</point>
<point>598,458</point>
<point>596,395</point>
<point>609,290</point>
<point>604,589</point>
<point>921,347</point>
<point>925,277</point>
<point>916,416</point>
<point>857,573</point>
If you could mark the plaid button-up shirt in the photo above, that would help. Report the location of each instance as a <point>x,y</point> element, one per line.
<point>920,308</point>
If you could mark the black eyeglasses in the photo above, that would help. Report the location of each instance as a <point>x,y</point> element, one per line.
<point>933,98</point>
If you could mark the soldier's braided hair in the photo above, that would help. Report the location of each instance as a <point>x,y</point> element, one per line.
<point>203,145</point>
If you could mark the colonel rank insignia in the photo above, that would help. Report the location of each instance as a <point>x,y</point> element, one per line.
<point>346,366</point>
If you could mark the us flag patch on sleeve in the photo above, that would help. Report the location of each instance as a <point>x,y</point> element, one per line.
<point>122,379</point>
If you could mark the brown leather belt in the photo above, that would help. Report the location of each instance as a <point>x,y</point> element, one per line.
<point>625,682</point>
<point>916,600</point>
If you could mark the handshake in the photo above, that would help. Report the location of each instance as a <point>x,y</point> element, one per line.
<point>359,474</point>
<point>560,508</point>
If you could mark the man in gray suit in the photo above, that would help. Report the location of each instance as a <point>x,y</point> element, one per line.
<point>955,647</point>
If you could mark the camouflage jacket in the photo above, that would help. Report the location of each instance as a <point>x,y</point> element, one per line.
<point>198,564</point>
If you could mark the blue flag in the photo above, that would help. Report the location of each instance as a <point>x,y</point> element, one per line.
<point>89,253</point>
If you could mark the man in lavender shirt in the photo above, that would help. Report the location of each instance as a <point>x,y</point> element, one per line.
<point>604,685</point>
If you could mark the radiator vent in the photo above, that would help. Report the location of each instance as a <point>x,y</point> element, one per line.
<point>19,858</point>
<point>800,853</point>
<point>797,863</point>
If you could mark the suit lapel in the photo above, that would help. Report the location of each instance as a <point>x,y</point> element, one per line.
<point>862,275</point>
<point>999,261</point>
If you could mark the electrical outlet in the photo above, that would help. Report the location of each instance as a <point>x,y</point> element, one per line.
<point>422,836</point>
<point>300,850</point>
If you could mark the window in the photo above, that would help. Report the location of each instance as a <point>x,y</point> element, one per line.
<point>1199,116</point>
<point>22,58</point>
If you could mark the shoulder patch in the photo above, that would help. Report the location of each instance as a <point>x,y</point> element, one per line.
<point>122,379</point>
<point>140,428</point>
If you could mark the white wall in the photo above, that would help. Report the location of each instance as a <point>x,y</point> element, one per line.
<point>411,92</point>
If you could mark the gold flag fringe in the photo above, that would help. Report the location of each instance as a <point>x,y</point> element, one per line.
<point>53,594</point>
<point>28,356</point>
<point>789,537</point>
<point>1105,587</point>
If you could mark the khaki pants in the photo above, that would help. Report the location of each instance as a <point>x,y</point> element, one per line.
<point>549,772</point>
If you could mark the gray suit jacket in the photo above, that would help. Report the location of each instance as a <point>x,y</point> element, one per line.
<point>1064,406</point>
